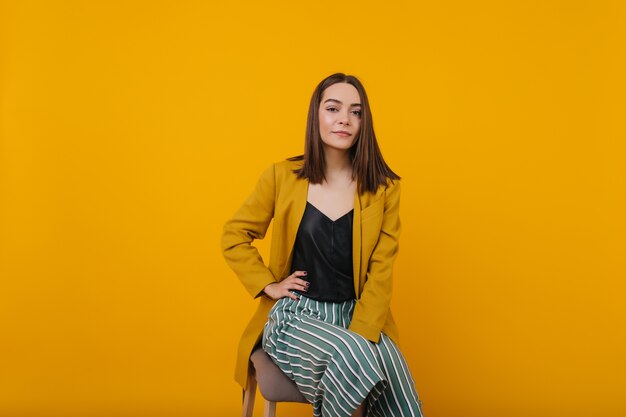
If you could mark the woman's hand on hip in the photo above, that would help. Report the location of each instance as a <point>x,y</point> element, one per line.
<point>278,290</point>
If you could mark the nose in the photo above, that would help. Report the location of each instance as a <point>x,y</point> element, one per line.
<point>345,118</point>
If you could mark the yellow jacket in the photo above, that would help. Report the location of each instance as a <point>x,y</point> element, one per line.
<point>281,196</point>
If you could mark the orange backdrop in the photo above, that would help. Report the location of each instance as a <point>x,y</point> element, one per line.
<point>130,131</point>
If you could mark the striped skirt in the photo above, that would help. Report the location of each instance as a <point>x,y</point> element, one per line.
<point>336,369</point>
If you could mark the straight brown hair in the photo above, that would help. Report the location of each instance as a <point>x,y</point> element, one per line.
<point>368,165</point>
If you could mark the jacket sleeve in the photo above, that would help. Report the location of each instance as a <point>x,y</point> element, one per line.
<point>250,222</point>
<point>372,307</point>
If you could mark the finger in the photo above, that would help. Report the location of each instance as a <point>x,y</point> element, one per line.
<point>301,286</point>
<point>292,296</point>
<point>297,284</point>
<point>295,281</point>
<point>303,283</point>
<point>299,273</point>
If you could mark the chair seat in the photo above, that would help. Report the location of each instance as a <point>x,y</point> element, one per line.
<point>272,381</point>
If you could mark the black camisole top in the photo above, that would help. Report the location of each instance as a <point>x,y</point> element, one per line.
<point>323,248</point>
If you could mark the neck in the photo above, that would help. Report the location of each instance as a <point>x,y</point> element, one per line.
<point>337,163</point>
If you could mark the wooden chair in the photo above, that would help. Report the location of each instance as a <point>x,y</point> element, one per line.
<point>274,385</point>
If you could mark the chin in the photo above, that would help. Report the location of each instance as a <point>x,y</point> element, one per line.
<point>339,145</point>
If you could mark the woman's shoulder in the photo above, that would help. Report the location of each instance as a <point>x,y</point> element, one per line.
<point>284,168</point>
<point>289,163</point>
<point>392,183</point>
<point>391,188</point>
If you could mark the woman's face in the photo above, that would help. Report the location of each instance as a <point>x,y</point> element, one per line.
<point>340,111</point>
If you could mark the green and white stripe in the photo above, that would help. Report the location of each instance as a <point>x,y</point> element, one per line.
<point>335,368</point>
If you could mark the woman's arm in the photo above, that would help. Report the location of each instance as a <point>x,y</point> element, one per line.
<point>250,222</point>
<point>370,312</point>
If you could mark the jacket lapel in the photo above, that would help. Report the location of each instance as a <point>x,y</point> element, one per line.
<point>297,203</point>
<point>356,241</point>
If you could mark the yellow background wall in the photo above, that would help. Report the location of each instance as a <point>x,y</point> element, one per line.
<point>130,131</point>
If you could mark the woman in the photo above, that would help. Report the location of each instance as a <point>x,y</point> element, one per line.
<point>324,314</point>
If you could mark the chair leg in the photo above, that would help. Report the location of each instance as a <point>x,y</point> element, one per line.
<point>248,397</point>
<point>270,409</point>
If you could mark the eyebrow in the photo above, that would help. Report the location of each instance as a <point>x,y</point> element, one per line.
<point>337,101</point>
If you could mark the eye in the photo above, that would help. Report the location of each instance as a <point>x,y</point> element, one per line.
<point>358,112</point>
<point>331,108</point>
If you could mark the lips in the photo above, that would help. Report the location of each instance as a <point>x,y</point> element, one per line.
<point>342,133</point>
